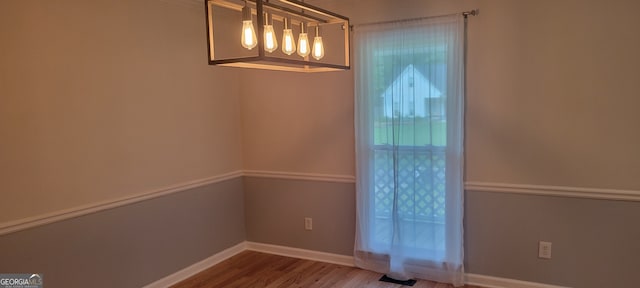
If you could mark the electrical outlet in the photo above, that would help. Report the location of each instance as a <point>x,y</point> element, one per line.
<point>544,250</point>
<point>308,223</point>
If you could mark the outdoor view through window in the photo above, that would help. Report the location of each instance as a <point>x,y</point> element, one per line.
<point>410,136</point>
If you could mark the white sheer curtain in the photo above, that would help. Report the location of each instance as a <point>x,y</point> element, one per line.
<point>409,146</point>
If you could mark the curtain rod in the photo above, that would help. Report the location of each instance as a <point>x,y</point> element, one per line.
<point>466,14</point>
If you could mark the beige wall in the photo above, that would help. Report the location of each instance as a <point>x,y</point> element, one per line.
<point>553,93</point>
<point>296,122</point>
<point>105,99</point>
<point>111,107</point>
<point>552,88</point>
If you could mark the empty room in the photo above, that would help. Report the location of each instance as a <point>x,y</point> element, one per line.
<point>319,143</point>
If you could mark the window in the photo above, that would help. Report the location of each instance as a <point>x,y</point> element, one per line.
<point>409,148</point>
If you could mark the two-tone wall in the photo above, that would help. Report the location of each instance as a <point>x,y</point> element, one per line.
<point>552,102</point>
<point>105,105</point>
<point>550,140</point>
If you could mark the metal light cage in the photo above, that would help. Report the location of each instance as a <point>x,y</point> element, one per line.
<point>224,24</point>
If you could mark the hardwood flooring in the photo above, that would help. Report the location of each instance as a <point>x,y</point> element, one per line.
<point>254,269</point>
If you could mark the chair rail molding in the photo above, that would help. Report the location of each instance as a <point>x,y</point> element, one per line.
<point>560,191</point>
<point>470,186</point>
<point>337,178</point>
<point>43,219</point>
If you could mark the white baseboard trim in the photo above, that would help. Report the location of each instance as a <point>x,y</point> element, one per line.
<point>336,178</point>
<point>562,191</point>
<point>471,279</point>
<point>34,221</point>
<point>301,253</point>
<point>197,267</point>
<point>496,282</point>
<point>250,246</point>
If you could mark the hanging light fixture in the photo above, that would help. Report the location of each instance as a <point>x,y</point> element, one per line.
<point>318,46</point>
<point>303,42</point>
<point>270,16</point>
<point>248,38</point>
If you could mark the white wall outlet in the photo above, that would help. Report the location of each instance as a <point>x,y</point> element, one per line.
<point>308,223</point>
<point>544,250</point>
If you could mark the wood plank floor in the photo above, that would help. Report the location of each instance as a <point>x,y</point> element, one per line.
<point>254,269</point>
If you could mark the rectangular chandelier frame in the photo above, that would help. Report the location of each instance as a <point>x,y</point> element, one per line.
<point>297,12</point>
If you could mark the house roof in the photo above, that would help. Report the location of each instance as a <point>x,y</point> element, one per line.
<point>419,80</point>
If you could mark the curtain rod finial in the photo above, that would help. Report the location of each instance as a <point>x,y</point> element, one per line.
<point>473,12</point>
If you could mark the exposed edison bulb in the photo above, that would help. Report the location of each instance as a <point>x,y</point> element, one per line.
<point>248,35</point>
<point>318,47</point>
<point>248,38</point>
<point>270,41</point>
<point>303,42</point>
<point>303,45</point>
<point>288,42</point>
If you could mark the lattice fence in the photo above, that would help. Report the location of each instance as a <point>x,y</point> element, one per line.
<point>420,181</point>
<point>421,195</point>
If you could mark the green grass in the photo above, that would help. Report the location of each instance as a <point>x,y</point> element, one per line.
<point>419,132</point>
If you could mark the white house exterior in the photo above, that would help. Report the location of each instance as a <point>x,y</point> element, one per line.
<point>408,95</point>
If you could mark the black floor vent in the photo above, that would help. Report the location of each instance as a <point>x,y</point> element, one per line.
<point>409,282</point>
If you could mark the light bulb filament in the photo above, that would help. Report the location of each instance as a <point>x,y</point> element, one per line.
<point>288,43</point>
<point>248,39</point>
<point>270,41</point>
<point>318,47</point>
<point>303,46</point>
